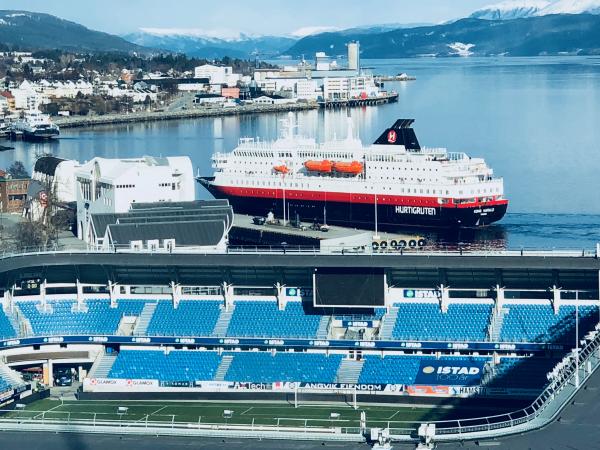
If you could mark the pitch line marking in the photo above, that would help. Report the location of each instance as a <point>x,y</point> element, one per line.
<point>159,409</point>
<point>248,410</point>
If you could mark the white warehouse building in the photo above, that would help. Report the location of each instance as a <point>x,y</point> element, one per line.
<point>113,185</point>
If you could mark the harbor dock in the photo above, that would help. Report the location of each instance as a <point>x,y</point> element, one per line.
<point>149,116</point>
<point>368,101</point>
<point>246,231</point>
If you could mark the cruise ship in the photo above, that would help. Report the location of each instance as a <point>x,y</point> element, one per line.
<point>392,183</point>
<point>35,125</point>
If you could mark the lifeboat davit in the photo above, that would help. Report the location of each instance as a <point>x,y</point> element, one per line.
<point>281,169</point>
<point>319,166</point>
<point>354,167</point>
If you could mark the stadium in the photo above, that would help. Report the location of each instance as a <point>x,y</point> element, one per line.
<point>367,348</point>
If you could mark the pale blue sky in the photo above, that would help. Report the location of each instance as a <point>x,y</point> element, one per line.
<point>252,16</point>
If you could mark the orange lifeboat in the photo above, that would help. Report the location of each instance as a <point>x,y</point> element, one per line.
<point>281,169</point>
<point>319,166</point>
<point>353,167</point>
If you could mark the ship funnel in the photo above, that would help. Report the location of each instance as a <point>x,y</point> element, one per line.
<point>401,133</point>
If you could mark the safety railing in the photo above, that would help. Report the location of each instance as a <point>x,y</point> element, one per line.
<point>333,429</point>
<point>285,249</point>
<point>543,409</point>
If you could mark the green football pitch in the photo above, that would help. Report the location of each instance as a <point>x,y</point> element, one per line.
<point>244,413</point>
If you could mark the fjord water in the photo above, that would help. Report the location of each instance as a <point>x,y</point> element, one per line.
<point>534,120</point>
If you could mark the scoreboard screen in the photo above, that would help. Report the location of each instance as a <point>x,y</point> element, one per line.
<point>362,287</point>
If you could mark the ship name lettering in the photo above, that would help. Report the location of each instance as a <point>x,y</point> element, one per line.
<point>420,210</point>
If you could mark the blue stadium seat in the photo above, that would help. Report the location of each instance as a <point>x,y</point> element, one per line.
<point>6,329</point>
<point>523,373</point>
<point>263,319</point>
<point>191,318</point>
<point>177,365</point>
<point>425,321</point>
<point>390,369</point>
<point>267,368</point>
<point>538,323</point>
<point>100,318</point>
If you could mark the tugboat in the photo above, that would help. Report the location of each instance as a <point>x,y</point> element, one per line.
<point>394,181</point>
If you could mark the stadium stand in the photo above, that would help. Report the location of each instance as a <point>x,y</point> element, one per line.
<point>538,323</point>
<point>177,365</point>
<point>390,369</point>
<point>525,373</point>
<point>267,368</point>
<point>4,384</point>
<point>62,318</point>
<point>264,319</point>
<point>425,321</point>
<point>190,318</point>
<point>6,329</point>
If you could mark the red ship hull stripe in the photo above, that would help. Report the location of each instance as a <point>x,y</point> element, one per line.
<point>344,197</point>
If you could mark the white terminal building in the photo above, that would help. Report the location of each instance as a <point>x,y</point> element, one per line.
<point>114,185</point>
<point>325,80</point>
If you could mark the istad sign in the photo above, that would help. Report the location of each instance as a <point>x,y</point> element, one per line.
<point>449,372</point>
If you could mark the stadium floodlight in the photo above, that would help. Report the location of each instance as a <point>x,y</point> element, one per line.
<point>20,406</point>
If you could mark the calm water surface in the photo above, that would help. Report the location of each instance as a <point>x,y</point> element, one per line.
<point>534,120</point>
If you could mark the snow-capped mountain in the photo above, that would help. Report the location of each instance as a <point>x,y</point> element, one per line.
<point>511,9</point>
<point>573,7</point>
<point>516,9</point>
<point>211,43</point>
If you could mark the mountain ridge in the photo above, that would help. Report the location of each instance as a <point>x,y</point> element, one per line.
<point>533,36</point>
<point>35,31</point>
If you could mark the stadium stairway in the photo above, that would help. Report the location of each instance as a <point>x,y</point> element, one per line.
<point>223,367</point>
<point>102,365</point>
<point>222,324</point>
<point>19,322</point>
<point>496,321</point>
<point>349,371</point>
<point>323,330</point>
<point>388,322</point>
<point>141,327</point>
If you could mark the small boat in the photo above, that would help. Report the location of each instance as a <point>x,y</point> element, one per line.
<point>319,166</point>
<point>34,125</point>
<point>354,167</point>
<point>281,169</point>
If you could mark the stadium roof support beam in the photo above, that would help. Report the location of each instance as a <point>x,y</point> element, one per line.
<point>8,299</point>
<point>444,298</point>
<point>175,293</point>
<point>281,297</point>
<point>555,298</point>
<point>43,301</point>
<point>79,287</point>
<point>113,292</point>
<point>228,295</point>
<point>499,304</point>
